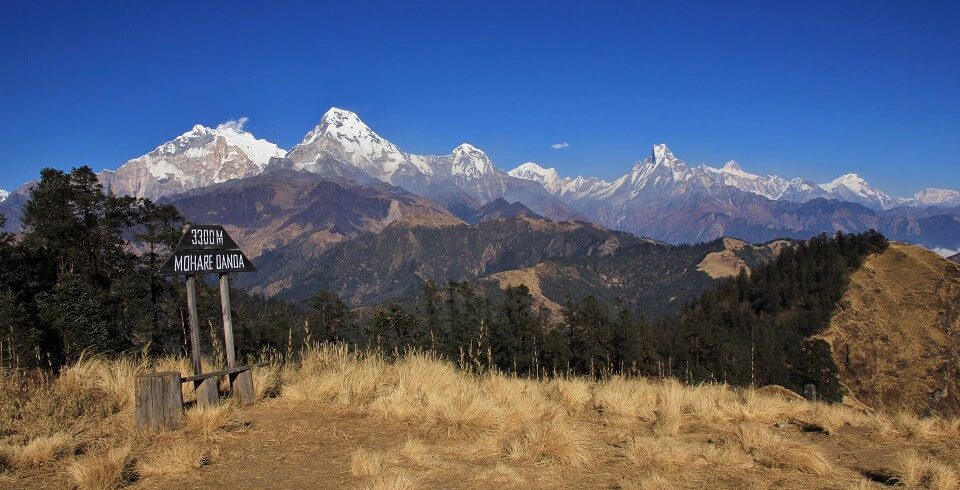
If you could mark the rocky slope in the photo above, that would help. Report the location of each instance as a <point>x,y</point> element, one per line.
<point>896,333</point>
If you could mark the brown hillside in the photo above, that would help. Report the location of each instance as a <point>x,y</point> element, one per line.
<point>726,263</point>
<point>530,277</point>
<point>896,335</point>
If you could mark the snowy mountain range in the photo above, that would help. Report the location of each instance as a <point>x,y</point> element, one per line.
<point>4,195</point>
<point>664,172</point>
<point>343,145</point>
<point>661,196</point>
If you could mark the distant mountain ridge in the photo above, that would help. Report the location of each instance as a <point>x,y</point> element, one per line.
<point>665,198</point>
<point>277,209</point>
<point>556,259</point>
<point>661,196</point>
<point>342,145</point>
<point>850,187</point>
<point>499,208</point>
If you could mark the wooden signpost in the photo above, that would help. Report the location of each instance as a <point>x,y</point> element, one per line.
<point>203,249</point>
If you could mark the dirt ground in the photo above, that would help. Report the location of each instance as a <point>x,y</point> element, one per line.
<point>286,444</point>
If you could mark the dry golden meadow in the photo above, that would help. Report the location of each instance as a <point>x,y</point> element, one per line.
<point>339,419</point>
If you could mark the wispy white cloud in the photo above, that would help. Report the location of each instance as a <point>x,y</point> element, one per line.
<point>234,124</point>
<point>560,146</point>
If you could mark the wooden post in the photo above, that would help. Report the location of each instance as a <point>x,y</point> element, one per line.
<point>241,384</point>
<point>227,321</point>
<point>194,328</point>
<point>206,389</point>
<point>159,401</point>
<point>810,392</point>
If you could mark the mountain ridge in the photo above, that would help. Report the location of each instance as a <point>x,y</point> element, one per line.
<point>848,187</point>
<point>661,196</point>
<point>276,209</point>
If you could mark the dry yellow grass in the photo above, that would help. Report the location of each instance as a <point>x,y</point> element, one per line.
<point>40,450</point>
<point>553,441</point>
<point>487,429</point>
<point>211,421</point>
<point>101,471</point>
<point>772,451</point>
<point>399,481</point>
<point>916,470</point>
<point>365,463</point>
<point>174,458</point>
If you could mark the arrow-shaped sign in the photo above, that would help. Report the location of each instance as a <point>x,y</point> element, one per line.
<point>206,249</point>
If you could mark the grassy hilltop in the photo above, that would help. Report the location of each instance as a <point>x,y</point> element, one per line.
<point>339,419</point>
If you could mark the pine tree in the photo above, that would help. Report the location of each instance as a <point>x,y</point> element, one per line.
<point>331,317</point>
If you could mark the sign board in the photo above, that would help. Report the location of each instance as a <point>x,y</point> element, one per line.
<point>206,249</point>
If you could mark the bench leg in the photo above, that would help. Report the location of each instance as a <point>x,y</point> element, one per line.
<point>207,395</point>
<point>159,401</point>
<point>241,386</point>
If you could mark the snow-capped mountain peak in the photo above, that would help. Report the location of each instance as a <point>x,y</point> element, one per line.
<point>342,136</point>
<point>660,154</point>
<point>661,170</point>
<point>547,177</point>
<point>533,171</point>
<point>853,188</point>
<point>732,167</point>
<point>732,174</point>
<point>259,151</point>
<point>4,195</point>
<point>197,141</point>
<point>340,123</point>
<point>935,197</point>
<point>343,122</point>
<point>470,161</point>
<point>196,158</point>
<point>851,181</point>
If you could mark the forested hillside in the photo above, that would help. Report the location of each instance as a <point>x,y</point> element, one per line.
<point>756,329</point>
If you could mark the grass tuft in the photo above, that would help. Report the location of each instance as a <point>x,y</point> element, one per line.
<point>365,463</point>
<point>175,458</point>
<point>212,421</point>
<point>102,471</point>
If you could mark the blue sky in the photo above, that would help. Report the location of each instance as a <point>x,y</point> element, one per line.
<point>795,88</point>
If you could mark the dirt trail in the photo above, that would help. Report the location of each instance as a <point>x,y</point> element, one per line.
<point>305,445</point>
<point>293,445</point>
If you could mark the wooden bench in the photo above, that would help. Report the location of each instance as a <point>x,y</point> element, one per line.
<point>159,398</point>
